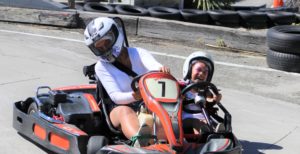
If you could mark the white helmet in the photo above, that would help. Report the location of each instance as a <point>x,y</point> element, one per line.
<point>199,56</point>
<point>104,28</point>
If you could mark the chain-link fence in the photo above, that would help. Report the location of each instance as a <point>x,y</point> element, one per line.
<point>292,3</point>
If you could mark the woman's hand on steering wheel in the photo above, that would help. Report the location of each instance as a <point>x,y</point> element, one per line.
<point>135,80</point>
<point>134,83</point>
<point>164,69</point>
<point>137,95</point>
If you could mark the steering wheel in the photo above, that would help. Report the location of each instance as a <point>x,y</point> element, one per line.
<point>201,86</point>
<point>204,86</point>
<point>135,80</point>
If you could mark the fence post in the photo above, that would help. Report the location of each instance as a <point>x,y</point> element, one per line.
<point>71,4</point>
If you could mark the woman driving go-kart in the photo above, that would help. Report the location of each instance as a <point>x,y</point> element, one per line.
<point>105,38</point>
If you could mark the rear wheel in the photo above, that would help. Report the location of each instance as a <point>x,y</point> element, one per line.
<point>32,108</point>
<point>95,144</point>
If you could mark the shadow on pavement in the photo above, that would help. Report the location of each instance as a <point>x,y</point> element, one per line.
<point>257,147</point>
<point>249,147</point>
<point>38,145</point>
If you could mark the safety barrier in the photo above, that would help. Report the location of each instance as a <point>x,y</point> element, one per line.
<point>256,19</point>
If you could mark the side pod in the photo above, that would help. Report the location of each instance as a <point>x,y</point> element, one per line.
<point>57,137</point>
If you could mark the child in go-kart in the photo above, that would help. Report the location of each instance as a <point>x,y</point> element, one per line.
<point>197,67</point>
<point>105,38</point>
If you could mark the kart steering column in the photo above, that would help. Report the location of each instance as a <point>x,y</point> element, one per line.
<point>200,100</point>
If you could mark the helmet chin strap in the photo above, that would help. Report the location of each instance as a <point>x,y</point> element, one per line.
<point>109,57</point>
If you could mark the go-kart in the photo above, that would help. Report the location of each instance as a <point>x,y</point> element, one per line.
<point>75,120</point>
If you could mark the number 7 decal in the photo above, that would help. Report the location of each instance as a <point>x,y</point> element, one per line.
<point>163,91</point>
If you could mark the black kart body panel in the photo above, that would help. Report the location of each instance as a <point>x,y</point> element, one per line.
<point>71,133</point>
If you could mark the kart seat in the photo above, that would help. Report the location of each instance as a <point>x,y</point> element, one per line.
<point>101,95</point>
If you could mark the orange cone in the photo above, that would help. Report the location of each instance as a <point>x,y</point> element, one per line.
<point>277,3</point>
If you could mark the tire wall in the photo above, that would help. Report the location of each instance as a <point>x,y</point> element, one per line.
<point>284,48</point>
<point>254,18</point>
<point>151,3</point>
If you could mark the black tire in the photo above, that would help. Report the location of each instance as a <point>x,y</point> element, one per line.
<point>88,1</point>
<point>248,8</point>
<point>96,7</point>
<point>285,9</point>
<point>79,7</point>
<point>297,15</point>
<point>285,39</point>
<point>281,18</point>
<point>95,143</point>
<point>131,10</point>
<point>165,13</point>
<point>32,108</point>
<point>291,9</point>
<point>253,19</point>
<point>283,61</point>
<point>225,18</point>
<point>195,16</point>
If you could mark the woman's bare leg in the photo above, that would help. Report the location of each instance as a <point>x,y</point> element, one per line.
<point>125,118</point>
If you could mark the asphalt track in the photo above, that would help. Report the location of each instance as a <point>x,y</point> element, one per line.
<point>263,120</point>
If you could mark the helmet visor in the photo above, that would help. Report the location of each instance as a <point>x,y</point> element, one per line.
<point>105,43</point>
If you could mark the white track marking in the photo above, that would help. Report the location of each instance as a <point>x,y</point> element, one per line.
<point>229,64</point>
<point>38,35</point>
<point>158,53</point>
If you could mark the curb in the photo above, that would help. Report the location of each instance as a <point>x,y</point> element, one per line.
<point>195,34</point>
<point>44,17</point>
<point>130,22</point>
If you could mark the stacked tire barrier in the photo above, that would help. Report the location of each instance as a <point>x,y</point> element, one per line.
<point>225,18</point>
<point>131,10</point>
<point>255,18</point>
<point>164,13</point>
<point>195,16</point>
<point>97,7</point>
<point>284,48</point>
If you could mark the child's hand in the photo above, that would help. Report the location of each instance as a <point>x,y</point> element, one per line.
<point>216,98</point>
